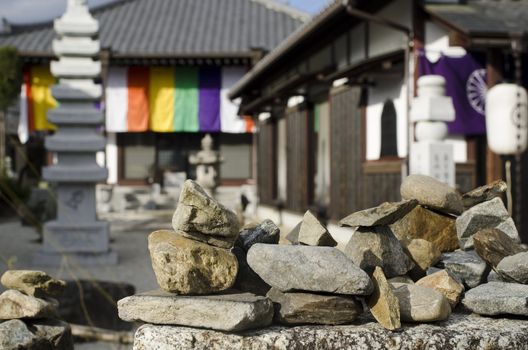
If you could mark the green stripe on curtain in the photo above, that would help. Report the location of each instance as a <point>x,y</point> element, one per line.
<point>186,100</point>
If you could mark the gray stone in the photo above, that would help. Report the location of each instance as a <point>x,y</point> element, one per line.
<point>421,304</point>
<point>401,279</point>
<point>468,267</point>
<point>460,331</point>
<point>432,193</point>
<point>484,193</point>
<point>498,298</point>
<point>494,277</point>
<point>14,305</point>
<point>514,268</point>
<point>35,283</point>
<point>202,218</point>
<point>231,312</point>
<point>489,214</point>
<point>382,215</point>
<point>293,235</point>
<point>308,308</point>
<point>35,335</point>
<point>493,245</point>
<point>265,232</point>
<point>247,280</point>
<point>377,246</point>
<point>186,266</point>
<point>307,268</point>
<point>313,233</point>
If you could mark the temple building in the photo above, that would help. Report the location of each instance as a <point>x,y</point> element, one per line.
<point>167,68</point>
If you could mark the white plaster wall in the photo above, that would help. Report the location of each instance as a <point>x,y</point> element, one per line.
<point>111,157</point>
<point>383,39</point>
<point>281,159</point>
<point>393,88</point>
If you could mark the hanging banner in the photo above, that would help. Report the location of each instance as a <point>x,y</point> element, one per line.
<point>466,85</point>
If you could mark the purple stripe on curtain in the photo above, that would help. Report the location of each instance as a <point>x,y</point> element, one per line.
<point>210,83</point>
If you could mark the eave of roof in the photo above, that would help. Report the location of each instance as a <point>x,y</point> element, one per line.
<point>286,46</point>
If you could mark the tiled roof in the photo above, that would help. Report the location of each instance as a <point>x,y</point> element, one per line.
<point>497,17</point>
<point>176,27</point>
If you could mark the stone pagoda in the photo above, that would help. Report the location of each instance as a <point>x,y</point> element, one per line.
<point>76,232</point>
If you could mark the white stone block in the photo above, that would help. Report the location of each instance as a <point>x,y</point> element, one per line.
<point>433,159</point>
<point>433,108</point>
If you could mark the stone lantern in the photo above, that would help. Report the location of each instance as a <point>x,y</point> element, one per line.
<point>76,232</point>
<point>430,154</point>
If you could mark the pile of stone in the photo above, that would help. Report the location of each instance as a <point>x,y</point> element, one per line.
<point>406,262</point>
<point>28,312</point>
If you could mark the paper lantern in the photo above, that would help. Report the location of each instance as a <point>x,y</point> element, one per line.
<point>507,119</point>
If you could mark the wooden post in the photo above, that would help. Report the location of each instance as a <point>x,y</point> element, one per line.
<point>494,167</point>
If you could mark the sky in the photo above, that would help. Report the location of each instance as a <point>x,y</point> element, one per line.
<point>31,11</point>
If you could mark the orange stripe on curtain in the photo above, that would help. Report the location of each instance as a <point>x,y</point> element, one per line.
<point>138,104</point>
<point>250,125</point>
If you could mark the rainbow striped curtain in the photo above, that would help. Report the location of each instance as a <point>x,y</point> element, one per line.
<point>159,99</point>
<point>168,99</point>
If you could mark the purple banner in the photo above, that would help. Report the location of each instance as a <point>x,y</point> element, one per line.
<point>210,83</point>
<point>466,85</point>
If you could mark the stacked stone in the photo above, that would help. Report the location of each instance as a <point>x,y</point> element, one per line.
<point>28,312</point>
<point>403,263</point>
<point>487,240</point>
<point>195,268</point>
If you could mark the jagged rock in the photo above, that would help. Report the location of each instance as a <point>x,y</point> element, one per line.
<point>494,277</point>
<point>293,235</point>
<point>498,298</point>
<point>401,279</point>
<point>265,232</point>
<point>383,304</point>
<point>36,283</point>
<point>202,218</point>
<point>14,305</point>
<point>484,193</point>
<point>426,224</point>
<point>35,335</point>
<point>308,308</point>
<point>424,255</point>
<point>186,266</point>
<point>514,268</point>
<point>307,268</point>
<point>420,304</point>
<point>313,233</point>
<point>382,215</point>
<point>490,214</point>
<point>493,245</point>
<point>231,312</point>
<point>432,193</point>
<point>460,331</point>
<point>247,280</point>
<point>377,246</point>
<point>446,284</point>
<point>468,267</point>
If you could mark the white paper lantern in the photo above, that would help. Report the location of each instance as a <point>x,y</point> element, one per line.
<point>507,119</point>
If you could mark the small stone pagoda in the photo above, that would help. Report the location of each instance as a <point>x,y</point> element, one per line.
<point>76,232</point>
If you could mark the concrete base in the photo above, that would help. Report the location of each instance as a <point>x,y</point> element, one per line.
<point>42,258</point>
<point>76,237</point>
<point>461,331</point>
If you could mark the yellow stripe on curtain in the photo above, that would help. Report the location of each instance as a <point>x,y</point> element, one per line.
<point>41,82</point>
<point>161,99</point>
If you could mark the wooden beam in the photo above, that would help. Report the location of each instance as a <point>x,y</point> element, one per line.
<point>494,71</point>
